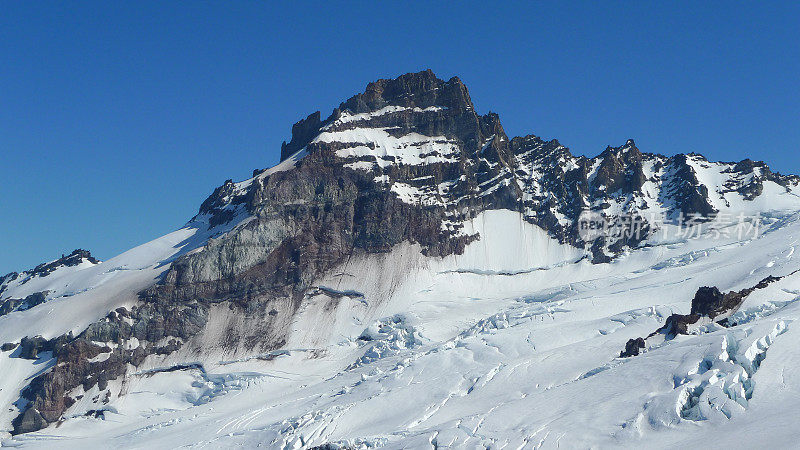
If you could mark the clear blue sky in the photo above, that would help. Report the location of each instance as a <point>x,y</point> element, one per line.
<point>118,118</point>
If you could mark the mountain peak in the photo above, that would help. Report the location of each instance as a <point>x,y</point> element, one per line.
<point>421,90</point>
<point>412,90</point>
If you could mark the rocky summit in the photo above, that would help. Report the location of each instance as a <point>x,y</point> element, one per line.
<point>408,261</point>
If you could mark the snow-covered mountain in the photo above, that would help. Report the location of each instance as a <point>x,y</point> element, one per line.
<point>409,276</point>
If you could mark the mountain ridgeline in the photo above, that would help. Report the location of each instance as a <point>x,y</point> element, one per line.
<point>409,160</point>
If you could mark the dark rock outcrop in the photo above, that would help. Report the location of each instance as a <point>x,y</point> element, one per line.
<point>42,270</point>
<point>632,348</point>
<point>73,259</point>
<point>748,177</point>
<point>8,346</point>
<point>620,169</point>
<point>302,133</point>
<point>708,303</point>
<point>420,90</point>
<point>158,329</point>
<point>15,304</point>
<point>31,347</point>
<point>685,190</point>
<point>6,279</point>
<point>677,324</point>
<point>30,420</point>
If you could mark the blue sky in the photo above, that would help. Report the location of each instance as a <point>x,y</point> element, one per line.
<point>118,118</point>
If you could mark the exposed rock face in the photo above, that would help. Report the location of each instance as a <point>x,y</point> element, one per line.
<point>302,133</point>
<point>6,279</point>
<point>709,305</point>
<point>14,279</point>
<point>29,421</point>
<point>748,177</point>
<point>420,139</point>
<point>30,347</point>
<point>149,329</point>
<point>407,160</point>
<point>632,348</point>
<point>42,270</point>
<point>73,259</point>
<point>8,346</point>
<point>710,302</point>
<point>15,304</point>
<point>690,196</point>
<point>330,446</point>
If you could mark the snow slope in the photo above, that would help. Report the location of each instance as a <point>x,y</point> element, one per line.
<point>82,294</point>
<point>513,344</point>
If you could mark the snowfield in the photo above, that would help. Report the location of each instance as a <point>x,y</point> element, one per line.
<point>513,344</point>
